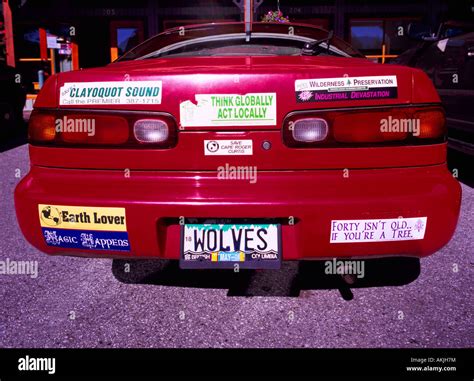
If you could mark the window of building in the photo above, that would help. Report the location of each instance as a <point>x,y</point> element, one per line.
<point>124,35</point>
<point>381,38</point>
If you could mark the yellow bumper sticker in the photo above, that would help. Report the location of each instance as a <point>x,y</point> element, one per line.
<point>82,217</point>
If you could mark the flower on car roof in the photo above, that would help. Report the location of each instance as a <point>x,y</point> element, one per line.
<point>275,16</point>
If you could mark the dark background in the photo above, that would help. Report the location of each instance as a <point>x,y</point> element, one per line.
<point>367,24</point>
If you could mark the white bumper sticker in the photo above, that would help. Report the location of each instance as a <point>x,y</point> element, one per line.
<point>109,93</point>
<point>346,88</point>
<point>392,229</point>
<point>211,110</point>
<point>228,147</point>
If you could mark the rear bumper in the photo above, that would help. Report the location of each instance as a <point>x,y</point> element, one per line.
<point>154,202</point>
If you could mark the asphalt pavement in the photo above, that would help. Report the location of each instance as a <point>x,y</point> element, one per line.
<point>77,302</point>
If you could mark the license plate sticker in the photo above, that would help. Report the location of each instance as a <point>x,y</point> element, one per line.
<point>250,245</point>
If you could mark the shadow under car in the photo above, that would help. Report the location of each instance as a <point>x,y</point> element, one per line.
<point>292,278</point>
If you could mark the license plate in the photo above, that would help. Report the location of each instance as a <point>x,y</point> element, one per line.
<point>242,245</point>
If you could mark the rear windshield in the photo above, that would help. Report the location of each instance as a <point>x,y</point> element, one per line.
<point>231,40</point>
<point>236,45</point>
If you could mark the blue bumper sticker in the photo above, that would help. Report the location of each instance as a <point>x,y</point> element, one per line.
<point>86,239</point>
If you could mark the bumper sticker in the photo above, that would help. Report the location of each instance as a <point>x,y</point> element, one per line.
<point>84,227</point>
<point>86,239</point>
<point>382,230</point>
<point>346,88</point>
<point>227,147</point>
<point>255,109</point>
<point>108,93</point>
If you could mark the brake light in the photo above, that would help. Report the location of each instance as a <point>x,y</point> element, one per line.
<point>367,127</point>
<point>67,128</point>
<point>94,129</point>
<point>377,126</point>
<point>41,127</point>
<point>432,123</point>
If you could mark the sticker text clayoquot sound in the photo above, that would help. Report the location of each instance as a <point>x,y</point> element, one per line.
<point>118,92</point>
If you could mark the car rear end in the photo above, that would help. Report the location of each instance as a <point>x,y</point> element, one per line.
<point>236,150</point>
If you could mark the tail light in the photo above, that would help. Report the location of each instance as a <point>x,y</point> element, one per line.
<point>66,128</point>
<point>42,127</point>
<point>432,123</point>
<point>93,130</point>
<point>356,127</point>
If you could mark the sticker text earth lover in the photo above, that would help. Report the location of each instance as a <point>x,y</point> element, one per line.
<point>84,227</point>
<point>346,88</point>
<point>108,93</point>
<point>253,109</point>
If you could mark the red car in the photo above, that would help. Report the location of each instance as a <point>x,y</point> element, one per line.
<point>219,146</point>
